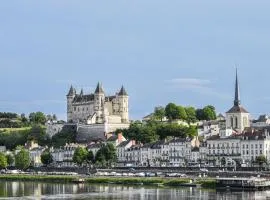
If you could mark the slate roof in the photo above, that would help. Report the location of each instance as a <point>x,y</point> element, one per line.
<point>72,91</point>
<point>83,98</point>
<point>95,146</point>
<point>123,92</point>
<point>237,109</point>
<point>112,138</point>
<point>123,144</point>
<point>99,89</point>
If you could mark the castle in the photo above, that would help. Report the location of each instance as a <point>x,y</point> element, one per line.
<point>97,108</point>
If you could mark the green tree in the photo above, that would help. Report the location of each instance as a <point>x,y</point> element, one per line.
<point>209,113</point>
<point>10,159</point>
<point>39,135</point>
<point>261,160</point>
<point>80,155</point>
<point>46,158</point>
<point>22,160</point>
<point>106,155</point>
<point>172,111</point>
<point>3,161</point>
<point>181,113</point>
<point>90,157</point>
<point>159,113</point>
<point>191,114</point>
<point>37,118</point>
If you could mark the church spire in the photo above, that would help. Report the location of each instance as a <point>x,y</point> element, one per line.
<point>237,93</point>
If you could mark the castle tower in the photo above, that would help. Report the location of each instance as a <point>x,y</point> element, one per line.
<point>99,103</point>
<point>70,97</point>
<point>237,117</point>
<point>123,105</point>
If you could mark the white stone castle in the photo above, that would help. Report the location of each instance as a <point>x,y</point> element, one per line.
<point>97,108</point>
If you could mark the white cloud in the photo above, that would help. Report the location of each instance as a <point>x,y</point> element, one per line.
<point>189,83</point>
<point>201,86</point>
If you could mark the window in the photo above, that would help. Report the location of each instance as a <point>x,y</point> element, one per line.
<point>236,122</point>
<point>243,152</point>
<point>247,146</point>
<point>247,152</point>
<point>74,108</point>
<point>252,146</point>
<point>256,146</point>
<point>260,146</point>
<point>232,122</point>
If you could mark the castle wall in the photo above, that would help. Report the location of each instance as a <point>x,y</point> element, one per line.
<point>114,107</point>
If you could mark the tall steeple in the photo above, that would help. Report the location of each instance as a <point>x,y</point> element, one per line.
<point>237,93</point>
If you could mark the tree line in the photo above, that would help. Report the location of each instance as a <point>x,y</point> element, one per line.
<point>189,114</point>
<point>13,120</point>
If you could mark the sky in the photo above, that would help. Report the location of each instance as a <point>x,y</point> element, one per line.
<point>161,51</point>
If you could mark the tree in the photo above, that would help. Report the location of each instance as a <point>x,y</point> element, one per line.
<point>80,155</point>
<point>46,158</point>
<point>10,159</point>
<point>37,118</point>
<point>106,155</point>
<point>90,156</point>
<point>22,160</point>
<point>181,113</point>
<point>172,111</point>
<point>209,112</point>
<point>39,135</point>
<point>223,161</point>
<point>159,113</point>
<point>261,159</point>
<point>191,114</point>
<point>3,161</point>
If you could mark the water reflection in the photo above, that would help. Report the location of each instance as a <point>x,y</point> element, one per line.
<point>33,190</point>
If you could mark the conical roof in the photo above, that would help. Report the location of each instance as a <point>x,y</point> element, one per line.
<point>123,92</point>
<point>99,89</point>
<point>72,91</point>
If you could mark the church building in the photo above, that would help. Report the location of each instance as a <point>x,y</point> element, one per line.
<point>237,118</point>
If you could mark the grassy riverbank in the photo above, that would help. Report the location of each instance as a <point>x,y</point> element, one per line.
<point>155,181</point>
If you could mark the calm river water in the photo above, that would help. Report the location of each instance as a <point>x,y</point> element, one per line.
<point>32,190</point>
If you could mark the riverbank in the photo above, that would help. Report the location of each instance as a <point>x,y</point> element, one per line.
<point>153,181</point>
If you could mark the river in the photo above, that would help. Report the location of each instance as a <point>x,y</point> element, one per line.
<point>34,190</point>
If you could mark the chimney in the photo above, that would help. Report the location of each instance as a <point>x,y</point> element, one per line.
<point>120,137</point>
<point>133,142</point>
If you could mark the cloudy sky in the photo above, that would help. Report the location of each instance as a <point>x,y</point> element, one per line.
<point>161,51</point>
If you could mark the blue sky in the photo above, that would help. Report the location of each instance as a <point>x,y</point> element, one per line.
<point>162,51</point>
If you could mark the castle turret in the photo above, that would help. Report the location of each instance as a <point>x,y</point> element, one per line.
<point>99,102</point>
<point>123,104</point>
<point>70,97</point>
